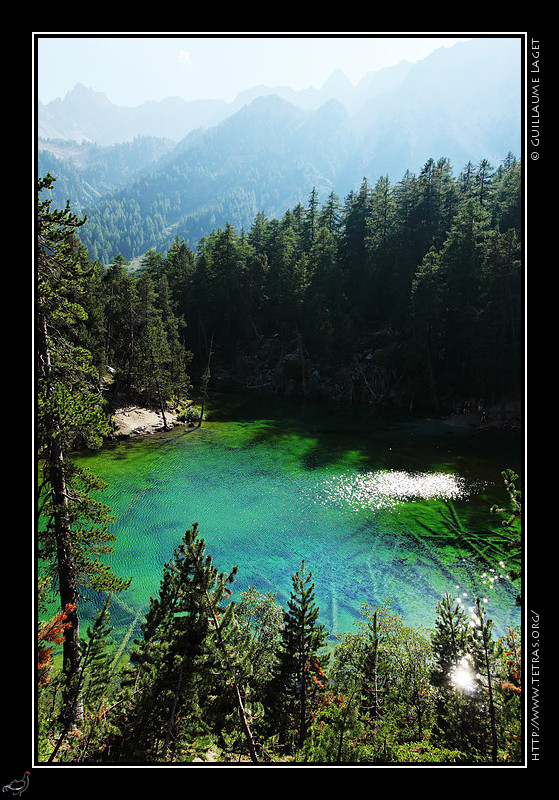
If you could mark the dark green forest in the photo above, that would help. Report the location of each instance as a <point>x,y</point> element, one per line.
<point>404,295</point>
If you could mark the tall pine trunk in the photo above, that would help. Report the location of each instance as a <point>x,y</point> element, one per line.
<point>487,666</point>
<point>56,474</point>
<point>66,572</point>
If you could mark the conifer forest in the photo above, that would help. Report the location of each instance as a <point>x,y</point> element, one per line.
<point>404,296</point>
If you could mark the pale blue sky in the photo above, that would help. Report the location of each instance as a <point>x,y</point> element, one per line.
<point>130,69</point>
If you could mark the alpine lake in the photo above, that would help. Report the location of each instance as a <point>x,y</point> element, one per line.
<point>380,507</point>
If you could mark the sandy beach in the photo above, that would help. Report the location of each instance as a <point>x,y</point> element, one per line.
<point>136,421</point>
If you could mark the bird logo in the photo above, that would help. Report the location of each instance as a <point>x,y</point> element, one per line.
<point>17,787</point>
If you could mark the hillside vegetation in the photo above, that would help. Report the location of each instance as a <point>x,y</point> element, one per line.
<point>406,293</point>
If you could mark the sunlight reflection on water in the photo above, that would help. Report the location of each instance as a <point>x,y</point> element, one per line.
<point>384,489</point>
<point>367,531</point>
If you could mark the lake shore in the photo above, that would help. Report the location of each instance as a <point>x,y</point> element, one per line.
<point>136,421</point>
<point>133,420</point>
<point>492,418</point>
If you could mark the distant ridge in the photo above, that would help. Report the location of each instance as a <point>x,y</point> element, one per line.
<point>482,75</point>
<point>87,115</point>
<point>266,151</point>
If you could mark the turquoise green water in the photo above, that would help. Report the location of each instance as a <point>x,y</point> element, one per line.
<point>377,508</point>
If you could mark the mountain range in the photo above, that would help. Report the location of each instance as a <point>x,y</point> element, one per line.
<point>85,115</point>
<point>190,166</point>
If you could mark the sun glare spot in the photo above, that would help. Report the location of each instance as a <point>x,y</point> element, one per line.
<point>462,676</point>
<point>388,488</point>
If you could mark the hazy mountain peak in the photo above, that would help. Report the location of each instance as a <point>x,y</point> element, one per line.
<point>85,96</point>
<point>272,145</point>
<point>87,114</point>
<point>80,90</point>
<point>337,82</point>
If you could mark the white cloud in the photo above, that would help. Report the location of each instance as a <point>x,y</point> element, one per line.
<point>183,57</point>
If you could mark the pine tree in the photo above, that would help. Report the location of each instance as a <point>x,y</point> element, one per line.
<point>175,379</point>
<point>179,269</point>
<point>97,668</point>
<point>310,222</point>
<point>511,519</point>
<point>380,253</point>
<point>427,326</point>
<point>500,320</point>
<point>261,618</point>
<point>509,688</point>
<point>69,414</point>
<point>461,259</point>
<point>177,679</point>
<point>320,318</point>
<point>119,301</point>
<point>152,355</point>
<point>353,246</point>
<point>329,216</point>
<point>484,651</point>
<point>453,677</point>
<point>483,180</point>
<point>300,670</point>
<point>449,640</point>
<point>281,284</point>
<point>92,685</point>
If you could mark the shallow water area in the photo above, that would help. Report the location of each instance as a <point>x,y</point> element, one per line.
<point>378,507</point>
